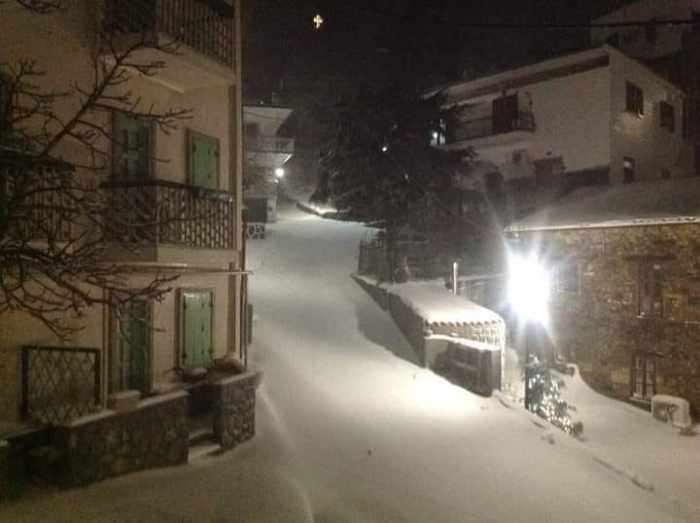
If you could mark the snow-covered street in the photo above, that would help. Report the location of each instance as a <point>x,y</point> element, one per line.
<point>350,429</point>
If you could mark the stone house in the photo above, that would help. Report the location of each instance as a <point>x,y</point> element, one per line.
<point>116,376</point>
<point>625,291</point>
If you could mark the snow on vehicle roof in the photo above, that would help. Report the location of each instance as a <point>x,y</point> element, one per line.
<point>655,202</point>
<point>432,302</point>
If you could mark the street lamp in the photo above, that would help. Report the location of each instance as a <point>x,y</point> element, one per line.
<point>528,295</point>
<point>279,173</point>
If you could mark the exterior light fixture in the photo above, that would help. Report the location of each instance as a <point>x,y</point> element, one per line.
<point>318,21</point>
<point>279,173</point>
<point>385,148</point>
<point>528,295</point>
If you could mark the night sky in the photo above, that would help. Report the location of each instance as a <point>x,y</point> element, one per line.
<point>401,41</point>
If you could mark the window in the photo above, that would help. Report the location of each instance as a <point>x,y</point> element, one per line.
<point>650,289</point>
<point>643,376</point>
<point>203,153</point>
<point>568,277</point>
<point>629,170</point>
<point>133,147</point>
<point>197,347</point>
<point>651,32</point>
<point>668,116</point>
<point>665,174</point>
<point>439,134</point>
<point>5,98</point>
<point>131,350</point>
<point>635,99</point>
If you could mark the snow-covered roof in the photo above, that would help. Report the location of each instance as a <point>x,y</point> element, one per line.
<point>432,302</point>
<point>659,202</point>
<point>465,343</point>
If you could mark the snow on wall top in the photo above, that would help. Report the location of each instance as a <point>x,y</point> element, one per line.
<point>641,203</point>
<point>432,302</point>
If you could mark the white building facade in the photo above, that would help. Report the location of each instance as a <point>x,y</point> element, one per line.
<point>596,116</point>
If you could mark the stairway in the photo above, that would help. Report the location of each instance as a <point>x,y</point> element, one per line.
<point>202,441</point>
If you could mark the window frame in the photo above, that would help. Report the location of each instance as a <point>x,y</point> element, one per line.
<point>634,99</point>
<point>667,116</point>
<point>560,284</point>
<point>655,307</point>
<point>647,359</point>
<point>116,173</point>
<point>115,349</point>
<point>629,175</point>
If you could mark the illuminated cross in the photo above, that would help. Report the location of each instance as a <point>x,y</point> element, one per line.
<point>318,21</point>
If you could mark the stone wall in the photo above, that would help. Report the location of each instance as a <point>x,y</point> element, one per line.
<point>113,443</point>
<point>234,408</point>
<point>603,326</point>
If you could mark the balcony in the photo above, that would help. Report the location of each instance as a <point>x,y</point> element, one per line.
<point>201,31</point>
<point>489,132</point>
<point>155,212</point>
<point>269,151</point>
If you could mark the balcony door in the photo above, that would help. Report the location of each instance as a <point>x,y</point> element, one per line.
<point>505,114</point>
<point>132,149</point>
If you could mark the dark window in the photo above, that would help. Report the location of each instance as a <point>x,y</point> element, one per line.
<point>4,108</point>
<point>651,32</point>
<point>505,114</point>
<point>650,289</point>
<point>132,147</point>
<point>630,170</point>
<point>567,277</point>
<point>131,352</point>
<point>665,174</point>
<point>643,376</point>
<point>635,99</point>
<point>613,40</point>
<point>668,116</point>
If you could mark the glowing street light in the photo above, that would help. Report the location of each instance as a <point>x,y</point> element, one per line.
<point>528,294</point>
<point>279,173</point>
<point>385,148</point>
<point>318,21</point>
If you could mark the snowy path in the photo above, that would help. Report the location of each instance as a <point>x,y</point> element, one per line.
<point>350,430</point>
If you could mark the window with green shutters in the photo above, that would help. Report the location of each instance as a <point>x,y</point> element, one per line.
<point>197,323</point>
<point>130,359</point>
<point>133,146</point>
<point>203,153</point>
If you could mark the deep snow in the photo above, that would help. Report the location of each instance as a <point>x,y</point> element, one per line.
<point>350,430</point>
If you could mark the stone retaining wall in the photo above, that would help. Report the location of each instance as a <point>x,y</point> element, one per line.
<point>111,443</point>
<point>234,408</point>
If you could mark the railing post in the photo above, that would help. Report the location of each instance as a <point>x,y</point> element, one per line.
<point>25,383</point>
<point>98,378</point>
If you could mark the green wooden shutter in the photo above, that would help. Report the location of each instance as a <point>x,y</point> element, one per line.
<point>204,161</point>
<point>132,147</point>
<point>198,348</point>
<point>130,368</point>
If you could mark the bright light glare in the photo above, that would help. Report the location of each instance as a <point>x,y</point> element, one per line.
<point>279,172</point>
<point>528,288</point>
<point>385,148</point>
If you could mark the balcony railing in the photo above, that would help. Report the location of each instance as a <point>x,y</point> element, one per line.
<point>204,25</point>
<point>270,144</point>
<point>159,212</point>
<point>483,127</point>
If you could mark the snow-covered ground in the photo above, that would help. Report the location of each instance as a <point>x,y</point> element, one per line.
<point>631,441</point>
<point>350,430</point>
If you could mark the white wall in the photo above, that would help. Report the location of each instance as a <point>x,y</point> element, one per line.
<point>268,119</point>
<point>641,137</point>
<point>633,40</point>
<point>571,117</point>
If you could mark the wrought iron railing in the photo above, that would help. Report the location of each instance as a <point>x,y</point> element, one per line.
<point>60,384</point>
<point>162,212</point>
<point>270,144</point>
<point>482,127</point>
<point>204,25</point>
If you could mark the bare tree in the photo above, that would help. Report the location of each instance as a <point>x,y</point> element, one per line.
<point>57,225</point>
